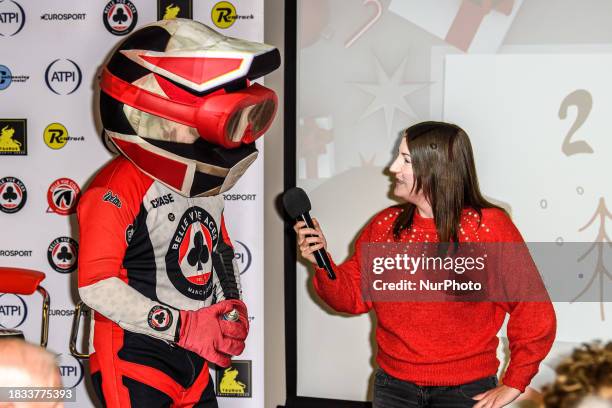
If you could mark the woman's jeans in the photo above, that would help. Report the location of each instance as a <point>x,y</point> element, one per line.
<point>390,392</point>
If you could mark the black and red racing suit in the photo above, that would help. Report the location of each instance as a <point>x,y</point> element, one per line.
<point>146,253</point>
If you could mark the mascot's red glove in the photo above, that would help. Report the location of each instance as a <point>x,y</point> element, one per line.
<point>208,333</point>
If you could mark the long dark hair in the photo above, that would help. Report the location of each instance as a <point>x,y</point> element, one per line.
<point>443,166</point>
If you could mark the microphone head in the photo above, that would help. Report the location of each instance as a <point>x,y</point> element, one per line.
<point>296,202</point>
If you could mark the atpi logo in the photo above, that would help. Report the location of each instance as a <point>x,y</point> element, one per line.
<point>70,369</point>
<point>13,195</point>
<point>189,260</point>
<point>13,311</point>
<point>12,18</point>
<point>56,136</point>
<point>63,76</point>
<point>243,256</point>
<point>62,254</point>
<point>223,15</point>
<point>171,9</point>
<point>13,137</point>
<point>234,381</point>
<point>63,196</point>
<point>120,17</point>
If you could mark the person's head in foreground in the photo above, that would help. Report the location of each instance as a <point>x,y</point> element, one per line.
<point>584,380</point>
<point>26,365</point>
<point>435,173</point>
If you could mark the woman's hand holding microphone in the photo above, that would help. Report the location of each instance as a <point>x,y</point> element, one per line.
<point>310,239</point>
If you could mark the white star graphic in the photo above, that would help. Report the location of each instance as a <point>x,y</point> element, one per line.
<point>389,94</point>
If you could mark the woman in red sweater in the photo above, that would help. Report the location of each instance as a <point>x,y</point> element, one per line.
<point>438,354</point>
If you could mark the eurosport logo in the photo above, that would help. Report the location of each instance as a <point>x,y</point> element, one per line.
<point>13,311</point>
<point>243,256</point>
<point>70,369</point>
<point>7,77</point>
<point>62,254</point>
<point>63,76</point>
<point>239,197</point>
<point>120,17</point>
<point>61,312</point>
<point>12,18</point>
<point>63,16</point>
<point>19,253</point>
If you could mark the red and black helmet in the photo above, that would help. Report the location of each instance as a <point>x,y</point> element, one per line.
<point>177,100</point>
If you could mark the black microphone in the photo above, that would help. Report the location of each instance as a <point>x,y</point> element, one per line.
<point>297,205</point>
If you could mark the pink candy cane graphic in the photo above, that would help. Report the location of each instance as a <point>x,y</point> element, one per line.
<point>369,23</point>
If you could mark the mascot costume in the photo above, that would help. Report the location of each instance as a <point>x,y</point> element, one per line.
<point>156,264</point>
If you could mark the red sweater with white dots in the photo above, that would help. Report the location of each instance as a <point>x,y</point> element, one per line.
<point>445,343</point>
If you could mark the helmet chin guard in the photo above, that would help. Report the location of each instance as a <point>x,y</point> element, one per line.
<point>177,100</point>
<point>187,171</point>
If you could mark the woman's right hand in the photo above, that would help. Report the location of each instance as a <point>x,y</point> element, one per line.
<point>309,239</point>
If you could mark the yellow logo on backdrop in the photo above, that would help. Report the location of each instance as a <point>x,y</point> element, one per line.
<point>56,136</point>
<point>229,384</point>
<point>7,144</point>
<point>172,12</point>
<point>223,14</point>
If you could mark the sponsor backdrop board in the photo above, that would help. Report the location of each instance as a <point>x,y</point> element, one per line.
<point>50,148</point>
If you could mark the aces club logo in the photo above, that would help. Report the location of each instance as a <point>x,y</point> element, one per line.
<point>160,318</point>
<point>63,196</point>
<point>62,254</point>
<point>189,257</point>
<point>120,17</point>
<point>13,195</point>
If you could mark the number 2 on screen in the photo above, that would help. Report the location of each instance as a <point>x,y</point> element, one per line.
<point>583,101</point>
